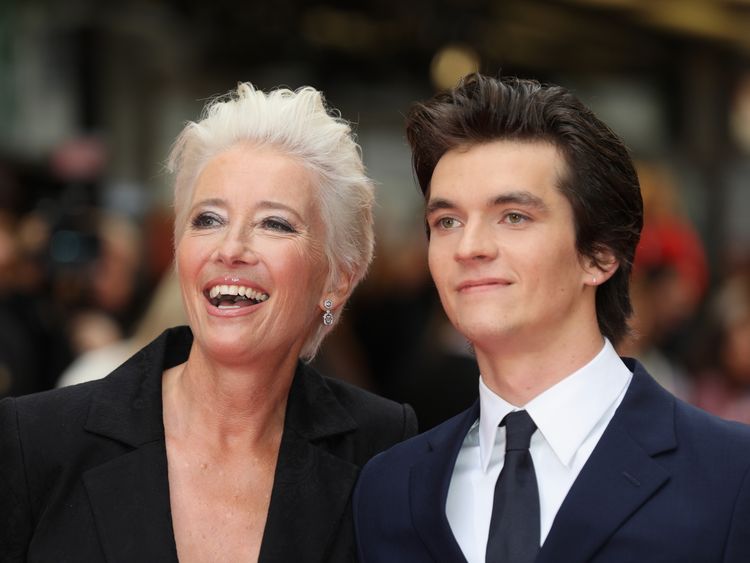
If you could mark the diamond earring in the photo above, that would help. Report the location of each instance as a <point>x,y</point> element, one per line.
<point>327,315</point>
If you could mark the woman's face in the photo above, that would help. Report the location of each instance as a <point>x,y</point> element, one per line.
<point>250,260</point>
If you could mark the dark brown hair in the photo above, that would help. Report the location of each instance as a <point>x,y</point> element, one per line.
<point>600,181</point>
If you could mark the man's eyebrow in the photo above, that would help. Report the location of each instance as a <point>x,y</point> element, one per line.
<point>437,204</point>
<point>520,197</point>
<point>524,198</point>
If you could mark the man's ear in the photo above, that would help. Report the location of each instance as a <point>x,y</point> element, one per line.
<point>600,267</point>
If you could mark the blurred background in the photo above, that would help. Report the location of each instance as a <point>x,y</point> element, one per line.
<point>92,95</point>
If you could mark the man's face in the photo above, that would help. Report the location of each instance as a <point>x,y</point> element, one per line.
<point>502,247</point>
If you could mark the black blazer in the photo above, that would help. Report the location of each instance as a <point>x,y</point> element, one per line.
<point>666,482</point>
<point>83,470</point>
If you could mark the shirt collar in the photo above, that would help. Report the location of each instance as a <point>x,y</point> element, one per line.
<point>567,412</point>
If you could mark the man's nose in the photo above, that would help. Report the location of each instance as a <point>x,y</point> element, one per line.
<point>477,243</point>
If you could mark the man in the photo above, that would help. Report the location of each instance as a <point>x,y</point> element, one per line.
<point>533,211</point>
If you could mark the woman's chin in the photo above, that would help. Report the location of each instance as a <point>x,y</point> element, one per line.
<point>230,349</point>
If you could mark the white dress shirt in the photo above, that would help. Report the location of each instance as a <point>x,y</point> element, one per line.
<point>570,417</point>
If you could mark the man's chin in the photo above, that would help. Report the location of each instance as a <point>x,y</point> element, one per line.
<point>484,332</point>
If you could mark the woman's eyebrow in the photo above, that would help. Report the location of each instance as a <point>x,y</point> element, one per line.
<point>269,204</point>
<point>210,202</point>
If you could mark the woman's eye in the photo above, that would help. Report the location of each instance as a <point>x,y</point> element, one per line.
<point>277,224</point>
<point>206,221</point>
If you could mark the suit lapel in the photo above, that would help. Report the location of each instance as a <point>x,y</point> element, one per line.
<point>129,494</point>
<point>429,482</point>
<point>619,477</point>
<point>130,501</point>
<point>312,487</point>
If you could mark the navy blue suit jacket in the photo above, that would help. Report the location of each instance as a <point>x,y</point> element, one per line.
<point>666,482</point>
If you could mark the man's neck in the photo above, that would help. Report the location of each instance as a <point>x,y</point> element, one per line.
<point>520,371</point>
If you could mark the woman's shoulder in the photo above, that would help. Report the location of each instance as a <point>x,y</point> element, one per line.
<point>60,407</point>
<point>362,414</point>
<point>360,400</point>
<point>45,430</point>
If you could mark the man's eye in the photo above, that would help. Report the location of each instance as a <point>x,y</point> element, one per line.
<point>277,224</point>
<point>515,218</point>
<point>206,221</point>
<point>448,222</point>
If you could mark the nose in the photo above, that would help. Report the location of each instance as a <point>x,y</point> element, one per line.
<point>476,243</point>
<point>235,247</point>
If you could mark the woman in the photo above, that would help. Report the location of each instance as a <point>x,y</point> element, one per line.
<point>215,442</point>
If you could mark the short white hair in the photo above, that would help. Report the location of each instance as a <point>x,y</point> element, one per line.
<point>300,124</point>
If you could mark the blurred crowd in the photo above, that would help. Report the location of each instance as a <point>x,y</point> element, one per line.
<point>82,286</point>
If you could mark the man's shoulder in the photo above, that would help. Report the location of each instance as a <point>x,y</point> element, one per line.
<point>702,430</point>
<point>651,411</point>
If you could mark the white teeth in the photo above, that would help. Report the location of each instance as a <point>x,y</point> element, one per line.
<point>241,290</point>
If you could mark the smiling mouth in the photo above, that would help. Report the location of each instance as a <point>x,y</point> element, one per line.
<point>482,285</point>
<point>234,296</point>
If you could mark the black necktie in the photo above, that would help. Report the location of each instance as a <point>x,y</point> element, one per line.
<point>514,526</point>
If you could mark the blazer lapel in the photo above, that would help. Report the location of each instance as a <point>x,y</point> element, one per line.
<point>129,494</point>
<point>130,500</point>
<point>619,477</point>
<point>429,482</point>
<point>312,487</point>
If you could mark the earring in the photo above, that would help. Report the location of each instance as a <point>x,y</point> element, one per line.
<point>593,278</point>
<point>327,315</point>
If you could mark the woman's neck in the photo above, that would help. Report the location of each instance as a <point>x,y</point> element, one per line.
<point>226,405</point>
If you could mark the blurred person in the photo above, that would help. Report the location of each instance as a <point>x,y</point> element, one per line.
<point>116,271</point>
<point>649,290</point>
<point>94,256</point>
<point>571,453</point>
<point>722,381</point>
<point>217,442</point>
<point>8,251</point>
<point>439,380</point>
<point>102,288</point>
<point>9,364</point>
<point>34,347</point>
<point>669,282</point>
<point>165,310</point>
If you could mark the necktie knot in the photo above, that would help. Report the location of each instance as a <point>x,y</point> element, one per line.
<point>518,430</point>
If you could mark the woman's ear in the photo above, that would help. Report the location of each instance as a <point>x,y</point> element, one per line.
<point>339,293</point>
<point>600,267</point>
